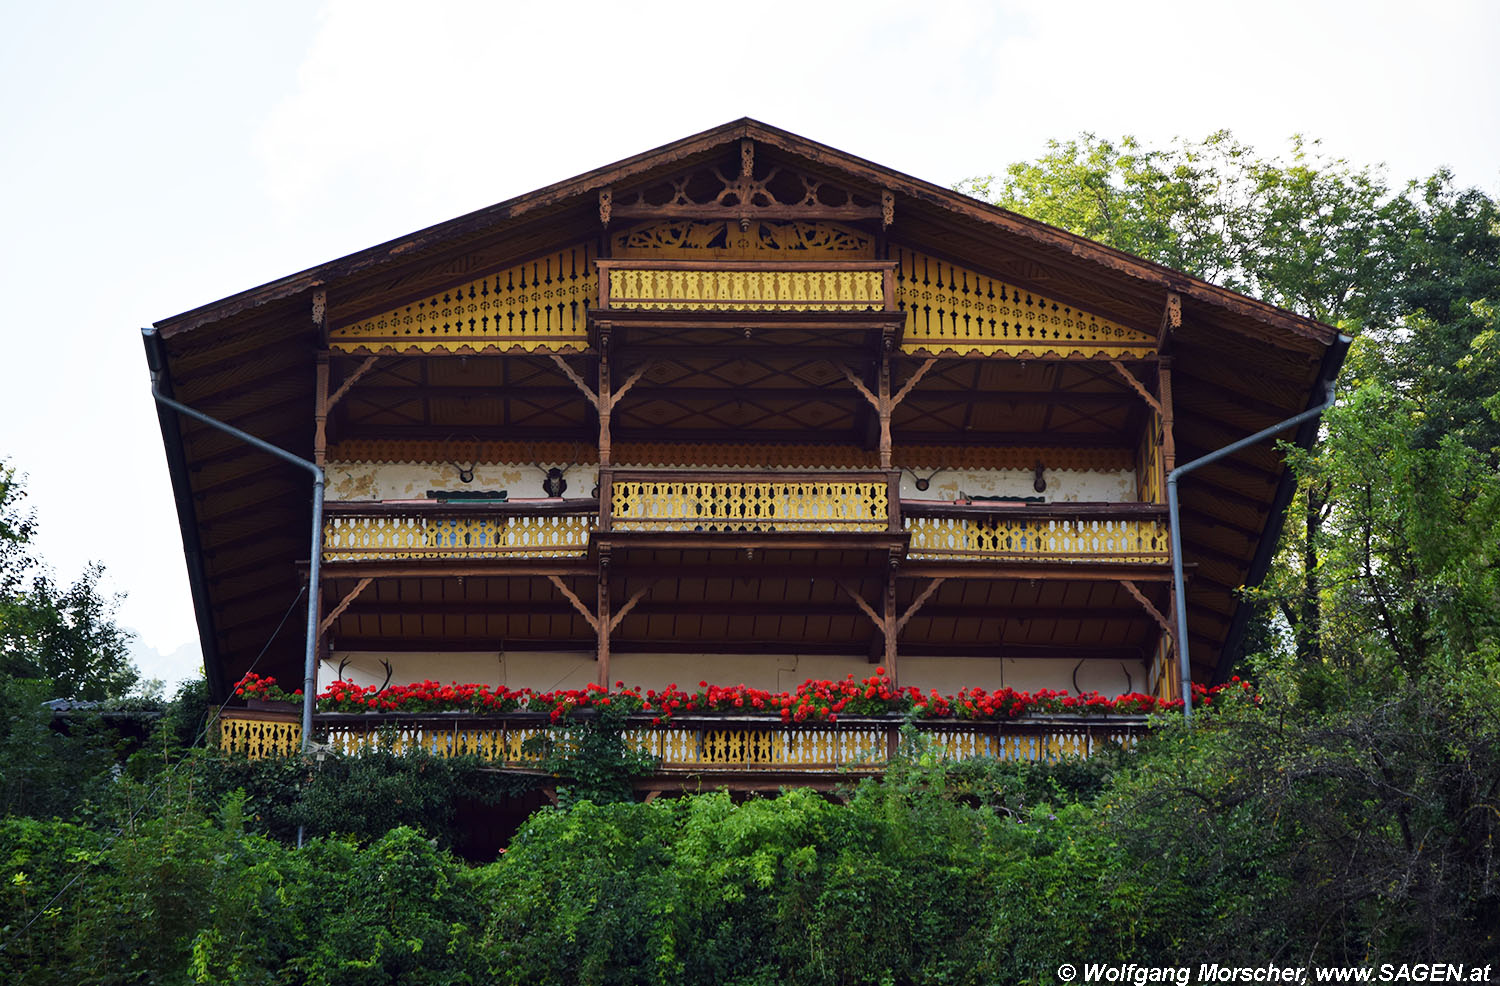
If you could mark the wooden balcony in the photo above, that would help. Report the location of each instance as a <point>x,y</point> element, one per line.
<point>727,503</point>
<point>1117,533</point>
<point>742,286</point>
<point>721,745</point>
<point>721,506</point>
<point>355,532</point>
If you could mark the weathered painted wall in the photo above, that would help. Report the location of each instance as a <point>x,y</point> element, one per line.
<point>412,480</point>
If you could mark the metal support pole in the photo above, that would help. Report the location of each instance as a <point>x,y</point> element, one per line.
<point>310,664</point>
<point>1183,664</point>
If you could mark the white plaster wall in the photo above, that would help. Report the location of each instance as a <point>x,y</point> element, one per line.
<point>412,480</point>
<point>545,671</point>
<point>1063,485</point>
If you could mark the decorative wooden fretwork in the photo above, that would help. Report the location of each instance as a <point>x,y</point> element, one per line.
<point>539,305</point>
<point>763,456</point>
<point>1050,539</point>
<point>259,735</point>
<point>757,191</point>
<point>693,746</point>
<point>750,287</point>
<point>389,537</point>
<point>686,239</point>
<point>726,506</point>
<point>950,309</point>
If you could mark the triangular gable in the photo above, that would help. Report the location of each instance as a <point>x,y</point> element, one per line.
<point>539,305</point>
<point>955,310</point>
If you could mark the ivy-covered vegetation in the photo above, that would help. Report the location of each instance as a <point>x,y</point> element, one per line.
<point>1351,817</point>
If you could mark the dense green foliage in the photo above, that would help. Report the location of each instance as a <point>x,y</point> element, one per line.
<point>64,635</point>
<point>1349,818</point>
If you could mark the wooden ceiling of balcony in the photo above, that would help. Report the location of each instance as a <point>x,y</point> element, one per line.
<point>1239,365</point>
<point>728,395</point>
<point>783,602</point>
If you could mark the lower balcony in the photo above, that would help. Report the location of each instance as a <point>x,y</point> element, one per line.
<point>731,748</point>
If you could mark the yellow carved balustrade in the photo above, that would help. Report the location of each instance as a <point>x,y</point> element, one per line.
<point>742,287</point>
<point>396,536</point>
<point>684,746</point>
<point>728,505</point>
<point>1043,539</point>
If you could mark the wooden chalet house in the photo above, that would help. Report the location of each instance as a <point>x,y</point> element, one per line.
<point>742,408</point>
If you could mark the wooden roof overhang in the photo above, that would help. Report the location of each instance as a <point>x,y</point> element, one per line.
<point>1238,365</point>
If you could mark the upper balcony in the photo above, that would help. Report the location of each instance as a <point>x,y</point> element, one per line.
<point>728,508</point>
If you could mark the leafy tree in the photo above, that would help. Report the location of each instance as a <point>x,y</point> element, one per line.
<point>67,635</point>
<point>1415,270</point>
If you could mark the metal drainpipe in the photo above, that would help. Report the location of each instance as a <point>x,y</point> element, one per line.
<point>310,664</point>
<point>1180,593</point>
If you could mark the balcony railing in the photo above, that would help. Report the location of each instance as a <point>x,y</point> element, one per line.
<point>723,504</point>
<point>1121,533</point>
<point>718,744</point>
<point>749,503</point>
<point>388,532</point>
<point>829,286</point>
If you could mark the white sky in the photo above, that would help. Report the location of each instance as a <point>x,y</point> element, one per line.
<point>161,155</point>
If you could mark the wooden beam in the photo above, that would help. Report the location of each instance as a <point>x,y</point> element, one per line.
<point>583,610</point>
<point>1155,614</point>
<point>344,604</point>
<point>1136,385</point>
<point>912,382</point>
<point>350,381</point>
<point>911,610</point>
<point>860,386</point>
<point>868,610</point>
<point>614,621</point>
<point>569,372</point>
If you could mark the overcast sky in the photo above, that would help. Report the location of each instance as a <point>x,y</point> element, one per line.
<point>161,155</point>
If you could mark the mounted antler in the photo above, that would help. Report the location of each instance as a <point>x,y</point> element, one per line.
<point>554,482</point>
<point>389,673</point>
<point>342,665</point>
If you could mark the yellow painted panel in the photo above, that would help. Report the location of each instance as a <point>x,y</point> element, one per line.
<point>746,290</point>
<point>953,309</point>
<point>716,507</point>
<point>541,304</point>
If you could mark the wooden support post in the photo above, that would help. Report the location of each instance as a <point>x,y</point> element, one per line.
<point>603,624</point>
<point>324,402</point>
<point>888,626</point>
<point>320,409</point>
<point>605,403</point>
<point>883,407</point>
<point>884,402</point>
<point>1164,395</point>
